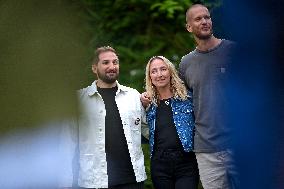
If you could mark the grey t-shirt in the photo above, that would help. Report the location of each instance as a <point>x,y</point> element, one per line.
<point>206,75</point>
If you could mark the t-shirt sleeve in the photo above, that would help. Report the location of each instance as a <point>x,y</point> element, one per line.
<point>182,71</point>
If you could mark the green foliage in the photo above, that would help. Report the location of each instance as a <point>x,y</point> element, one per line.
<point>169,7</point>
<point>139,30</point>
<point>146,151</point>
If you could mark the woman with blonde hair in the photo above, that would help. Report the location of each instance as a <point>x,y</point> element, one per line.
<point>171,126</point>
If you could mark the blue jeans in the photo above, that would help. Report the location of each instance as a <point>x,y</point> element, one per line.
<point>174,169</point>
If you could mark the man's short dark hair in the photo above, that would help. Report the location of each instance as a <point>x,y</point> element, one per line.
<point>100,50</point>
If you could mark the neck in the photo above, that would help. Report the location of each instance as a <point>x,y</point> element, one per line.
<point>207,44</point>
<point>102,84</point>
<point>165,93</point>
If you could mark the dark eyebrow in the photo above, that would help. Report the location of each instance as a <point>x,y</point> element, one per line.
<point>105,61</point>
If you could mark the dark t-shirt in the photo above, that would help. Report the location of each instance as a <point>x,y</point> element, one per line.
<point>206,75</point>
<point>119,166</point>
<point>166,136</point>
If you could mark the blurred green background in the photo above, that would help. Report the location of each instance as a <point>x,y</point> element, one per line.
<point>138,30</point>
<point>46,48</point>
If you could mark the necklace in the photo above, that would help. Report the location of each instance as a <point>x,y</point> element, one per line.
<point>167,102</point>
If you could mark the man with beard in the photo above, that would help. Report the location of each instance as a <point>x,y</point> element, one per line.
<point>109,130</point>
<point>205,72</point>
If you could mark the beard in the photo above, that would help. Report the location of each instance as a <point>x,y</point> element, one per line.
<point>108,78</point>
<point>202,36</point>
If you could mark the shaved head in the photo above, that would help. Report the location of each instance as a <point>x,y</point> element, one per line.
<point>188,12</point>
<point>198,22</point>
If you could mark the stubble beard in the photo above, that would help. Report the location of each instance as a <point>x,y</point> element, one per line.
<point>204,37</point>
<point>201,36</point>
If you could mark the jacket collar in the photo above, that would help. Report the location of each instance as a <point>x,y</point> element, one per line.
<point>93,88</point>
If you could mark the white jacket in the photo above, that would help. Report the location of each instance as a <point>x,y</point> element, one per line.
<point>89,134</point>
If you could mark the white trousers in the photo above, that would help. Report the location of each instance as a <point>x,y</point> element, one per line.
<point>217,170</point>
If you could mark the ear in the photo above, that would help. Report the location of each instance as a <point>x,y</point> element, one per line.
<point>94,68</point>
<point>188,28</point>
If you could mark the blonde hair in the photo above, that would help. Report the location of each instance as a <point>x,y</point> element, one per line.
<point>177,86</point>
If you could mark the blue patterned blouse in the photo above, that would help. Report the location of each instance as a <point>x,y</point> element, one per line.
<point>183,119</point>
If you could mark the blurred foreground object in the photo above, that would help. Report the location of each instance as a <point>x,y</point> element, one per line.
<point>257,91</point>
<point>41,62</point>
<point>42,53</point>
